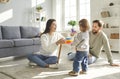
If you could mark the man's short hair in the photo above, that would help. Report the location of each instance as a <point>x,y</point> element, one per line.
<point>100,23</point>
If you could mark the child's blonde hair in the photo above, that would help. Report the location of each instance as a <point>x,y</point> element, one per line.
<point>84,24</point>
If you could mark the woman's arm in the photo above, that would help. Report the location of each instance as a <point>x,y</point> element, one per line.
<point>49,45</point>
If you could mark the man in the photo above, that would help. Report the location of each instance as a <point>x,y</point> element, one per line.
<point>98,40</point>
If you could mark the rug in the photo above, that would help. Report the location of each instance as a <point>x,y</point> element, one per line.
<point>5,76</point>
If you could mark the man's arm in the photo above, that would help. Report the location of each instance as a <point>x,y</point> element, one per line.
<point>108,51</point>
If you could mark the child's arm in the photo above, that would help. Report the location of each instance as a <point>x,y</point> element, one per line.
<point>80,43</point>
<point>75,41</point>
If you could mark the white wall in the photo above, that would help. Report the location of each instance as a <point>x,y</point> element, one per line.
<point>97,5</point>
<point>57,13</point>
<point>48,7</point>
<point>18,12</point>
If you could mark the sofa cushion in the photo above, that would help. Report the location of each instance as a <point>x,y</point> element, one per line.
<point>0,33</point>
<point>11,32</point>
<point>6,43</point>
<point>23,42</point>
<point>29,32</point>
<point>36,41</point>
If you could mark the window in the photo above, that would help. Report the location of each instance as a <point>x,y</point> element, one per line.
<point>70,11</point>
<point>84,9</point>
<point>76,10</point>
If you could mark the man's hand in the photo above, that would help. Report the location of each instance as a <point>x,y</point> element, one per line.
<point>115,64</point>
<point>89,55</point>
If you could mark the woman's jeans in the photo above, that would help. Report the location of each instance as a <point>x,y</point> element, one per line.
<point>91,59</point>
<point>81,57</point>
<point>42,60</point>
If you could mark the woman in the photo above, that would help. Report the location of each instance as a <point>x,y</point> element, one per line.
<point>49,43</point>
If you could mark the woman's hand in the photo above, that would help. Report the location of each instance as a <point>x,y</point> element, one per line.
<point>60,41</point>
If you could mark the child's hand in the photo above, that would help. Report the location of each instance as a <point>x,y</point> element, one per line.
<point>72,33</point>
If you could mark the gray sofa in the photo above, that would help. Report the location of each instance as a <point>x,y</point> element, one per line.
<point>18,40</point>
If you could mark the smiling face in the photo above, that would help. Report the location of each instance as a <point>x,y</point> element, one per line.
<point>53,26</point>
<point>95,28</point>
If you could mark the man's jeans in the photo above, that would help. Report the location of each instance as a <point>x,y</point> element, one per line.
<point>91,59</point>
<point>80,58</point>
<point>42,60</point>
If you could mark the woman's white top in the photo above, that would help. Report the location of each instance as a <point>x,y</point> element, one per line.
<point>48,44</point>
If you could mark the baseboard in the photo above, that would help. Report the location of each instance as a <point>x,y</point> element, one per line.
<point>112,51</point>
<point>115,51</point>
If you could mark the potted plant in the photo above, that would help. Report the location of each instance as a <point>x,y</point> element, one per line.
<point>39,8</point>
<point>72,23</point>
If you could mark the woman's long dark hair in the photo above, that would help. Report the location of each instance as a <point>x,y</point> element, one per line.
<point>48,24</point>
